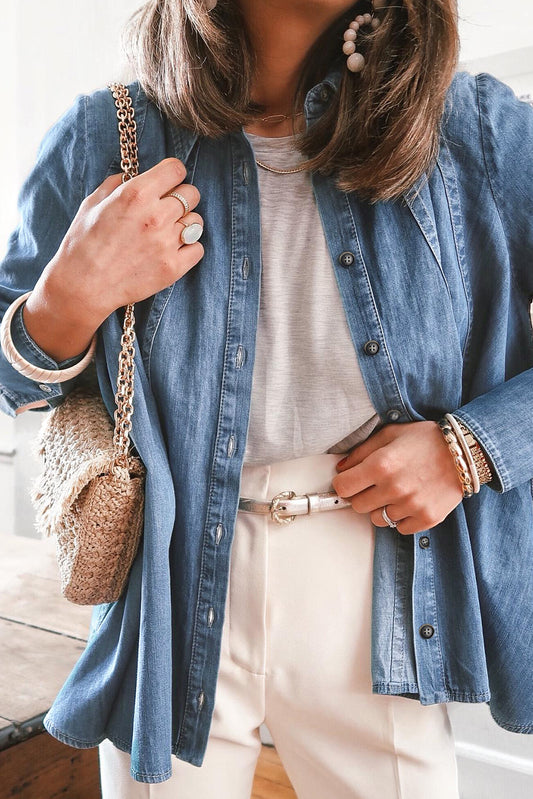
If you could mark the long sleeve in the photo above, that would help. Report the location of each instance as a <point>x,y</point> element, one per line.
<point>49,200</point>
<point>502,419</point>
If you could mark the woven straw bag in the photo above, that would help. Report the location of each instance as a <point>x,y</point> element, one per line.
<point>90,494</point>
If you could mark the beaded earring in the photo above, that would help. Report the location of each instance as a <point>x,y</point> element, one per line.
<point>355,61</point>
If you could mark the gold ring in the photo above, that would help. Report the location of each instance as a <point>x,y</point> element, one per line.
<point>182,200</point>
<point>191,232</point>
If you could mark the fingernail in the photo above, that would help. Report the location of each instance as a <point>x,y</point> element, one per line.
<point>341,463</point>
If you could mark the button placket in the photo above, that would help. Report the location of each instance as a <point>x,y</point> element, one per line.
<point>243,305</point>
<point>428,651</point>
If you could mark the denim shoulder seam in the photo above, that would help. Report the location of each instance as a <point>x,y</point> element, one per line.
<point>484,148</point>
<point>481,103</point>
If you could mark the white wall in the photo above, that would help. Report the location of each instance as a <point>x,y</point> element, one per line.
<point>489,26</point>
<point>50,52</point>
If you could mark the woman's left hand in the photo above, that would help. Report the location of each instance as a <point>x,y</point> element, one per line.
<point>406,467</point>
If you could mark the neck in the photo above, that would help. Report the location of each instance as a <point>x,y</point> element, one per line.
<point>281,34</point>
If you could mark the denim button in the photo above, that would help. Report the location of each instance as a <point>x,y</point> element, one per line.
<point>371,347</point>
<point>201,700</point>
<point>393,415</point>
<point>424,542</point>
<point>219,533</point>
<point>240,357</point>
<point>44,387</point>
<point>427,631</point>
<point>324,94</point>
<point>346,258</point>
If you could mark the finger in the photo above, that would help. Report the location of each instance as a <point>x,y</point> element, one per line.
<point>372,443</point>
<point>354,480</point>
<point>176,206</point>
<point>190,256</point>
<point>408,520</point>
<point>404,526</point>
<point>411,525</point>
<point>396,513</point>
<point>371,499</point>
<point>165,176</point>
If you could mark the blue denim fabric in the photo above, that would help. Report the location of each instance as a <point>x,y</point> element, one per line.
<point>441,279</point>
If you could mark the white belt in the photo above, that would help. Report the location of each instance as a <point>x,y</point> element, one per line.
<point>286,505</point>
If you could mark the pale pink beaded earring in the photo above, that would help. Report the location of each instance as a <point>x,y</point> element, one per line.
<point>355,61</point>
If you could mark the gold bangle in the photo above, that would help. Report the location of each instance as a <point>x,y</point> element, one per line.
<point>457,454</point>
<point>482,465</point>
<point>28,369</point>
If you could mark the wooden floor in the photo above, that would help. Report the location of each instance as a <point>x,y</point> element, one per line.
<point>271,781</point>
<point>41,637</point>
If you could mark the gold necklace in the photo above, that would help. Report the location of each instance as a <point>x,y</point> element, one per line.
<point>280,118</point>
<point>281,171</point>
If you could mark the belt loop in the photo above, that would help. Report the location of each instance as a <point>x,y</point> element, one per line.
<point>313,502</point>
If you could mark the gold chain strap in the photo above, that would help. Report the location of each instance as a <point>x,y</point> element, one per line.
<point>129,165</point>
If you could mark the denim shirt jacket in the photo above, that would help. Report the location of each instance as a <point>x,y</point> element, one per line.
<point>440,278</point>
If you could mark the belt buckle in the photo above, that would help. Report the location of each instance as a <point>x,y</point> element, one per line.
<point>275,507</point>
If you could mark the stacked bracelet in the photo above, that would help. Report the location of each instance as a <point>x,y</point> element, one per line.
<point>457,453</point>
<point>480,462</point>
<point>25,367</point>
<point>454,423</point>
<point>469,458</point>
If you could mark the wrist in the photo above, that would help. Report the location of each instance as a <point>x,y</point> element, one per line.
<point>59,320</point>
<point>63,289</point>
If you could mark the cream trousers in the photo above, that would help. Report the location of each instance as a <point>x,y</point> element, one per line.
<point>296,655</point>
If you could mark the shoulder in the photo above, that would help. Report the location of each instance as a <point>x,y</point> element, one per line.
<point>83,145</point>
<point>102,132</point>
<point>479,107</point>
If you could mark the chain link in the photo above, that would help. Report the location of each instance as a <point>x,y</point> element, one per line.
<point>129,165</point>
<point>127,127</point>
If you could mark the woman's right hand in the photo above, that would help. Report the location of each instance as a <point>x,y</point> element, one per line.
<point>123,245</point>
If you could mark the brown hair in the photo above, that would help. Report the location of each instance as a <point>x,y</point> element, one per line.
<point>380,132</point>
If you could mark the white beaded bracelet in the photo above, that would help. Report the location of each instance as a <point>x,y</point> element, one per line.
<point>466,450</point>
<point>25,367</point>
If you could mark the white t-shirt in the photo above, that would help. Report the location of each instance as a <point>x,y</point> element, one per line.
<point>308,394</point>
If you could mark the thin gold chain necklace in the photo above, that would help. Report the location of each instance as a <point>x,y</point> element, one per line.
<point>281,171</point>
<point>279,118</point>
